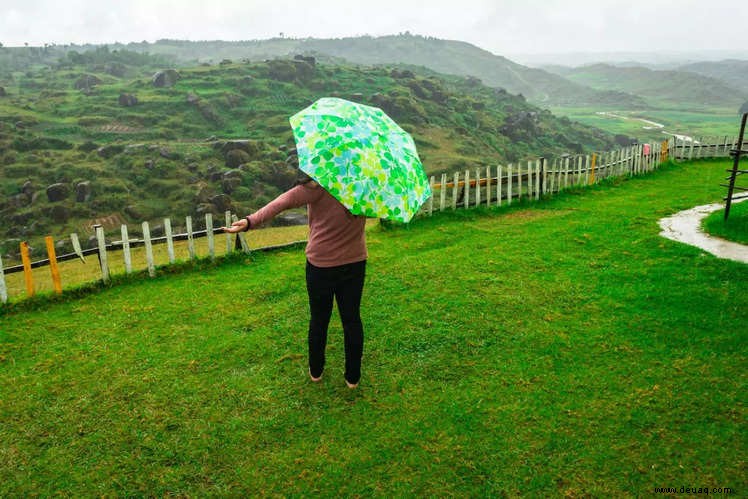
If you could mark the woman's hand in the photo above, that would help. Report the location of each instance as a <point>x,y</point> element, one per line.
<point>238,226</point>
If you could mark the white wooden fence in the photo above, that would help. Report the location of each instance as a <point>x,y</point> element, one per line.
<point>505,184</point>
<point>104,251</point>
<point>490,186</point>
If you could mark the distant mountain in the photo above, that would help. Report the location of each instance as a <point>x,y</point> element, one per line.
<point>659,86</point>
<point>443,56</point>
<point>732,72</point>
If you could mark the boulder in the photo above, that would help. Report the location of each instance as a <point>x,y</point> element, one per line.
<point>166,78</point>
<point>192,98</point>
<point>85,82</point>
<point>236,157</point>
<point>222,202</point>
<point>133,212</point>
<point>83,191</point>
<point>157,230</point>
<point>58,192</point>
<point>204,208</point>
<point>134,148</point>
<point>127,100</point>
<point>19,200</point>
<point>107,152</point>
<point>115,69</point>
<point>249,146</point>
<point>88,146</point>
<point>63,247</point>
<point>231,180</point>
<point>28,188</point>
<point>308,59</point>
<point>204,194</point>
<point>59,213</point>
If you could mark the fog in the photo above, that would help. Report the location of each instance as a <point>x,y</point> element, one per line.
<point>505,27</point>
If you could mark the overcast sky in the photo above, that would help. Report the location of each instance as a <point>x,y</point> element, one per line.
<point>503,27</point>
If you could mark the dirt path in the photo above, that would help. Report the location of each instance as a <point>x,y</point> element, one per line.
<point>685,227</point>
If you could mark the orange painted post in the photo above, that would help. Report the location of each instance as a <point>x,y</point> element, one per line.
<point>665,147</point>
<point>592,169</point>
<point>56,282</point>
<point>27,268</point>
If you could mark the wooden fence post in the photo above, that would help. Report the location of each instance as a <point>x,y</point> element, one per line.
<point>169,240</point>
<point>103,259</point>
<point>509,185</point>
<point>148,249</point>
<point>126,248</point>
<point>190,238</point>
<point>432,182</point>
<point>3,287</point>
<point>592,169</point>
<point>443,192</point>
<point>455,190</point>
<point>552,177</point>
<point>209,235</point>
<point>488,185</point>
<point>77,246</point>
<point>227,218</point>
<point>28,278</point>
<point>467,189</point>
<point>477,187</point>
<point>544,175</point>
<point>499,181</point>
<point>519,182</point>
<point>240,236</point>
<point>53,268</point>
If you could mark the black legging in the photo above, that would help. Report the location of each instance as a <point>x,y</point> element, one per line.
<point>346,284</point>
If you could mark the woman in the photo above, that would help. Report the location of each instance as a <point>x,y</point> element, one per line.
<point>336,266</point>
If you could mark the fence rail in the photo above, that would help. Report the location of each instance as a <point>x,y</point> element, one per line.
<point>491,185</point>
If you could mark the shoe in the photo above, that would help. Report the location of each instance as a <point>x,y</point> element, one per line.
<point>316,380</point>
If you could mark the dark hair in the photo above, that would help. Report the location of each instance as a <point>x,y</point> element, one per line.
<point>302,178</point>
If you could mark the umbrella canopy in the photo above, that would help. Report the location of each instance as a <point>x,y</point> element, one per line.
<point>362,157</point>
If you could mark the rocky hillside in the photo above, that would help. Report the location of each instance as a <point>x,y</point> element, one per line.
<point>444,56</point>
<point>97,138</point>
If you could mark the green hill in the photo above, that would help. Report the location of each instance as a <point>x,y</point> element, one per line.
<point>91,137</point>
<point>731,72</point>
<point>656,86</point>
<point>444,56</point>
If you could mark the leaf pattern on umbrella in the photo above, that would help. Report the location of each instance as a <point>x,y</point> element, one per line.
<point>362,157</point>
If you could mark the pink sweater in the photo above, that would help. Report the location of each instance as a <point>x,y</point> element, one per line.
<point>336,237</point>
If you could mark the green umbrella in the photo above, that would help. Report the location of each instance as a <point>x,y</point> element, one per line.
<point>362,157</point>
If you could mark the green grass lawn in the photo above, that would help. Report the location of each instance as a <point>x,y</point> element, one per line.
<point>735,228</point>
<point>556,349</point>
